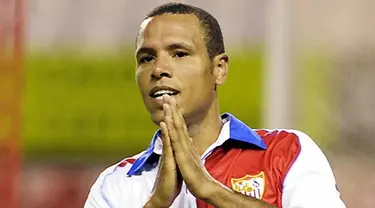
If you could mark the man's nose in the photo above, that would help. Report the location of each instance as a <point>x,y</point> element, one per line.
<point>162,69</point>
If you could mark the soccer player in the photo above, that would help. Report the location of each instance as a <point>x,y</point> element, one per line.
<point>199,157</point>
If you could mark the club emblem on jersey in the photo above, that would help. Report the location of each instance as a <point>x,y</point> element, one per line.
<point>250,185</point>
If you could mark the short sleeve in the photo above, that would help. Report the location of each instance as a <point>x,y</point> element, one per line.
<point>115,189</point>
<point>310,182</point>
<point>98,195</point>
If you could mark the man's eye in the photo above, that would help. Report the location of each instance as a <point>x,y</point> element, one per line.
<point>181,54</point>
<point>146,59</point>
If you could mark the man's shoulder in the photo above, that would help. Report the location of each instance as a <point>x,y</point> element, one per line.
<point>122,166</point>
<point>289,146</point>
<point>277,132</point>
<point>115,175</point>
<point>294,148</point>
<point>115,188</point>
<point>278,136</point>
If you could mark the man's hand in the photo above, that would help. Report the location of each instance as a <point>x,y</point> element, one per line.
<point>193,172</point>
<point>200,183</point>
<point>168,181</point>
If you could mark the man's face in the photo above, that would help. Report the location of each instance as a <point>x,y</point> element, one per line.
<point>172,59</point>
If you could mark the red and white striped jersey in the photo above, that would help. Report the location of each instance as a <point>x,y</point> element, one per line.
<point>281,167</point>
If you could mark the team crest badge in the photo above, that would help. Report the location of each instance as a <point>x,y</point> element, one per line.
<point>250,185</point>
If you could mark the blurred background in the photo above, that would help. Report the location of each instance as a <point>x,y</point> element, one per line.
<point>69,104</point>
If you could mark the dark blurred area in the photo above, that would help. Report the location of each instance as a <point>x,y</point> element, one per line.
<point>70,107</point>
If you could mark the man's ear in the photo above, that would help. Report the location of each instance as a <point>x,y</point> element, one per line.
<point>220,70</point>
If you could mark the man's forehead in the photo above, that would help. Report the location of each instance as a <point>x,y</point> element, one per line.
<point>145,23</point>
<point>170,24</point>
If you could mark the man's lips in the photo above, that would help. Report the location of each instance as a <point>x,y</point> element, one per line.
<point>158,91</point>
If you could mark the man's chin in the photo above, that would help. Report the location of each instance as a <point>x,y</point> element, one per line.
<point>157,117</point>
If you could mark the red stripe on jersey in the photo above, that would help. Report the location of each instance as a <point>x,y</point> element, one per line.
<point>233,160</point>
<point>126,161</point>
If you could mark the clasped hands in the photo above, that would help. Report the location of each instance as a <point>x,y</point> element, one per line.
<point>179,161</point>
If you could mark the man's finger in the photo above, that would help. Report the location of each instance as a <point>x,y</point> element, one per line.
<point>180,125</point>
<point>168,120</point>
<point>165,136</point>
<point>177,117</point>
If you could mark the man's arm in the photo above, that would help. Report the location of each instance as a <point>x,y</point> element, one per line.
<point>310,181</point>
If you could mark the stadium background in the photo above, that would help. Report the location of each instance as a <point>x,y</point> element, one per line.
<point>69,106</point>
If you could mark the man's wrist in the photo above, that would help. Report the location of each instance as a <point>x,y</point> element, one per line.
<point>215,193</point>
<point>152,203</point>
<point>156,201</point>
<point>210,191</point>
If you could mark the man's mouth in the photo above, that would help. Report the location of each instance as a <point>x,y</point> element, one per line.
<point>158,92</point>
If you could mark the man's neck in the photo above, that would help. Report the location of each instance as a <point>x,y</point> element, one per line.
<point>206,130</point>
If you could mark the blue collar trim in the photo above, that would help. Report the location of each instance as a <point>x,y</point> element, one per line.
<point>238,131</point>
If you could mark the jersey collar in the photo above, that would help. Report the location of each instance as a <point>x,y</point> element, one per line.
<point>233,129</point>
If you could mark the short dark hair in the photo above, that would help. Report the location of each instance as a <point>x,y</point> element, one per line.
<point>213,36</point>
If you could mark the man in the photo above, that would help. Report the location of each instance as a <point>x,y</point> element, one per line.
<point>200,158</point>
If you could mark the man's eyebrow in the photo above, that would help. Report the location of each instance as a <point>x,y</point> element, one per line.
<point>173,46</point>
<point>184,46</point>
<point>145,50</point>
